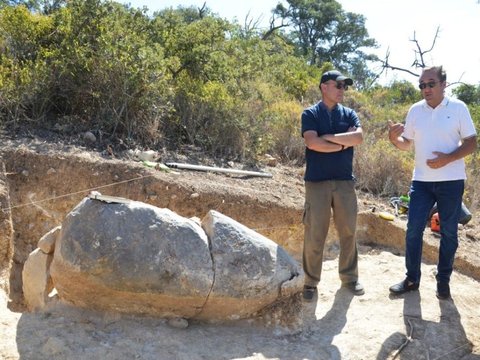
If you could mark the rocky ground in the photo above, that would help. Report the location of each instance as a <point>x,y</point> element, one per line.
<point>336,326</point>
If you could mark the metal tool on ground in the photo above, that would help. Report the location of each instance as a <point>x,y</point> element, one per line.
<point>400,204</point>
<point>95,195</point>
<point>217,169</point>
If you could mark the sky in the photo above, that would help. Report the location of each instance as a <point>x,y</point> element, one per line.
<point>392,24</point>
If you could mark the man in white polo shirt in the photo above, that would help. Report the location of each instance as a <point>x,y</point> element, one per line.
<point>442,132</point>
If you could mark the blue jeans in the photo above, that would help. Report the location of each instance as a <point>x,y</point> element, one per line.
<point>423,195</point>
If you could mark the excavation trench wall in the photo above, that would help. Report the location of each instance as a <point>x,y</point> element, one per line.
<point>37,190</point>
<point>6,230</point>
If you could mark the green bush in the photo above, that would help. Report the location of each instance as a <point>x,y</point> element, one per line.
<point>206,116</point>
<point>469,94</point>
<point>382,169</point>
<point>23,74</point>
<point>284,139</point>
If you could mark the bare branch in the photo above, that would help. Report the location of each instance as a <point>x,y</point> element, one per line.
<point>457,82</point>
<point>386,65</point>
<point>401,69</point>
<point>202,10</point>
<point>420,62</point>
<point>273,27</point>
<point>250,24</point>
<point>434,39</point>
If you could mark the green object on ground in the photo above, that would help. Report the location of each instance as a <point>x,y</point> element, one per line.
<point>405,198</point>
<point>155,165</point>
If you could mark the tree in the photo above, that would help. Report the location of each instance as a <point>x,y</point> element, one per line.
<point>45,6</point>
<point>323,31</point>
<point>469,94</point>
<point>193,41</point>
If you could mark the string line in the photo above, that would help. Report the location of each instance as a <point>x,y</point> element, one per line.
<point>113,184</point>
<point>74,193</point>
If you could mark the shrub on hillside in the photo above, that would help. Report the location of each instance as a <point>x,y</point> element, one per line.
<point>283,119</point>
<point>23,76</point>
<point>382,169</point>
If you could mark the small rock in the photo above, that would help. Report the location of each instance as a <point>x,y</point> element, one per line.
<point>51,171</point>
<point>47,242</point>
<point>364,248</point>
<point>147,155</point>
<point>37,283</point>
<point>269,160</point>
<point>89,137</point>
<point>471,235</point>
<point>178,323</point>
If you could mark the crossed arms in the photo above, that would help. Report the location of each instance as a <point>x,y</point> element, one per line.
<point>333,142</point>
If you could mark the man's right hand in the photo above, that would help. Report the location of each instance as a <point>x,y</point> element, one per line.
<point>394,131</point>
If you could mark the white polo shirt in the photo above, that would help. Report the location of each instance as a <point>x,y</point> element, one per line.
<point>440,129</point>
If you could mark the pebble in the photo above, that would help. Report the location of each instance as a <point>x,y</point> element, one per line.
<point>178,323</point>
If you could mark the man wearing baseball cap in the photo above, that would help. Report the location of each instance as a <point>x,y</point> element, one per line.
<point>330,131</point>
<point>335,76</point>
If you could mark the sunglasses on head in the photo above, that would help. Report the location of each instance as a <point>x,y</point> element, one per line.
<point>430,84</point>
<point>341,86</point>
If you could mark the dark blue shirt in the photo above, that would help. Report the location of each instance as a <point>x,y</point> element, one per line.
<point>329,166</point>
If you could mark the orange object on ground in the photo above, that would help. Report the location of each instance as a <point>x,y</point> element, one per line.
<point>435,222</point>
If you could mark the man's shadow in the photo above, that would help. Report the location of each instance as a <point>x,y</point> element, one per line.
<point>425,339</point>
<point>331,324</point>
